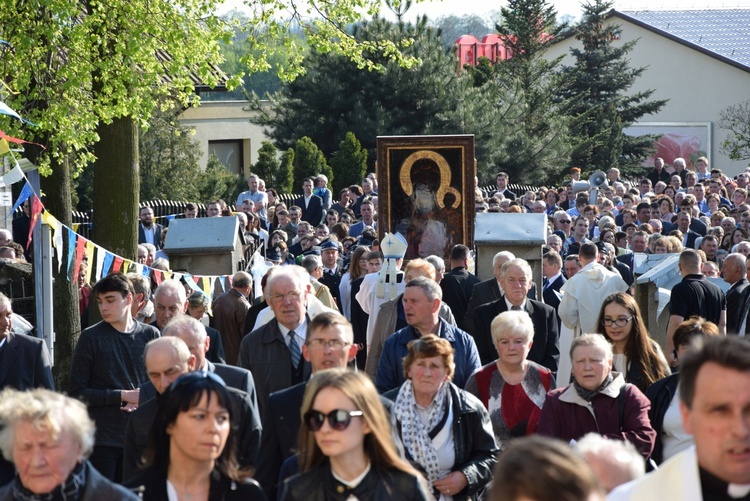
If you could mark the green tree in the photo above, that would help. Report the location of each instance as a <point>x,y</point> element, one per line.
<point>336,96</point>
<point>349,163</point>
<point>169,159</point>
<point>286,172</point>
<point>218,182</point>
<point>267,166</point>
<point>599,102</point>
<point>736,119</point>
<point>309,161</point>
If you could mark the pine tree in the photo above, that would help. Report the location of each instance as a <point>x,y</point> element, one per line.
<point>285,178</point>
<point>309,161</point>
<point>349,162</point>
<point>596,89</point>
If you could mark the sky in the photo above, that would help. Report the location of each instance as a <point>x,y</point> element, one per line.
<point>484,8</point>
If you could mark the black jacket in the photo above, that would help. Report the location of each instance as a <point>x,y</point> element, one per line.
<point>151,484</point>
<point>319,484</point>
<point>458,286</point>
<point>474,442</point>
<point>660,394</point>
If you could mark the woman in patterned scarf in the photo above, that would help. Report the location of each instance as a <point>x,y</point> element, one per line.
<point>512,388</point>
<point>446,431</point>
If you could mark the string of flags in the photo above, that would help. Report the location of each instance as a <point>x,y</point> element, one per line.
<point>101,262</point>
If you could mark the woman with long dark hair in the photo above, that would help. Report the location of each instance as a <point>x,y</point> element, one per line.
<point>191,453</point>
<point>636,355</point>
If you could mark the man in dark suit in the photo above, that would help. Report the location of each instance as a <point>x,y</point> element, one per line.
<point>191,331</point>
<point>688,235</point>
<point>273,353</point>
<point>329,254</point>
<point>734,274</point>
<point>148,231</point>
<point>458,284</point>
<point>489,290</point>
<point>166,359</point>
<point>330,344</point>
<point>553,280</point>
<point>24,365</point>
<point>516,281</point>
<point>501,180</point>
<point>170,301</point>
<point>311,205</point>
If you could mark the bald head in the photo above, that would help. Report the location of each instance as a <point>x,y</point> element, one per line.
<point>242,282</point>
<point>734,268</point>
<point>166,359</point>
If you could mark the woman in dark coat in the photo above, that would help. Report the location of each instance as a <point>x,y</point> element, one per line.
<point>446,431</point>
<point>346,445</point>
<point>191,447</point>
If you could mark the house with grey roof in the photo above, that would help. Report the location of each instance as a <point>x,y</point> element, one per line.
<point>700,61</point>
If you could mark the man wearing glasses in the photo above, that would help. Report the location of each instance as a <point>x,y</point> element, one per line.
<point>329,345</point>
<point>273,352</point>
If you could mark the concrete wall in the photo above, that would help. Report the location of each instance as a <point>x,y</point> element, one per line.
<point>225,120</point>
<point>697,85</point>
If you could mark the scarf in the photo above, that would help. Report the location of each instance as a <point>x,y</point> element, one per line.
<point>588,395</point>
<point>70,490</point>
<point>417,437</point>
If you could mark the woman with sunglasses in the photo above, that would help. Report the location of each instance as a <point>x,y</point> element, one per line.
<point>346,447</point>
<point>446,431</point>
<point>636,355</point>
<point>191,448</point>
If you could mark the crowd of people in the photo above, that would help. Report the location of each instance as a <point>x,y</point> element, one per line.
<point>350,378</point>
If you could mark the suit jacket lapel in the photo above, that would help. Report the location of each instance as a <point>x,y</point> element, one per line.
<point>496,289</point>
<point>9,358</point>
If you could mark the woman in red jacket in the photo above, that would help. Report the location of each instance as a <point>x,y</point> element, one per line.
<point>598,400</point>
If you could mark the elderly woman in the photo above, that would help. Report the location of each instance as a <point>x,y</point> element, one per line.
<point>446,431</point>
<point>48,437</point>
<point>512,388</point>
<point>598,400</point>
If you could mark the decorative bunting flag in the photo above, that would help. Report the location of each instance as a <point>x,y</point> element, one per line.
<point>36,210</point>
<point>206,285</point>
<point>158,277</point>
<point>126,266</point>
<point>12,139</point>
<point>80,251</point>
<point>90,258</point>
<point>57,238</point>
<point>106,265</point>
<point>223,282</point>
<point>71,246</point>
<point>100,255</point>
<point>26,192</point>
<point>4,147</point>
<point>117,264</point>
<point>6,110</point>
<point>167,275</point>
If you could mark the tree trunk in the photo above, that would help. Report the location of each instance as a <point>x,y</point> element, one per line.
<point>116,188</point>
<point>66,318</point>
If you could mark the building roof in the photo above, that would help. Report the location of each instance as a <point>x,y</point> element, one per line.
<point>720,33</point>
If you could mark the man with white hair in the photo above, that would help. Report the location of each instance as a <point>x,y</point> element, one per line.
<point>6,237</point>
<point>170,302</point>
<point>258,197</point>
<point>733,270</point>
<point>615,462</point>
<point>554,242</point>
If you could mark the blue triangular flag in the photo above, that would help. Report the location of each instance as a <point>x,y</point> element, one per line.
<point>26,192</point>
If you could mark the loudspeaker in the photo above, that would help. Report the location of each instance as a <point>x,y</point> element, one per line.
<point>598,179</point>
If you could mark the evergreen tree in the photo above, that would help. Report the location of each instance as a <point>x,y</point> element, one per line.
<point>218,182</point>
<point>536,139</point>
<point>267,166</point>
<point>349,163</point>
<point>596,90</point>
<point>309,161</point>
<point>285,180</point>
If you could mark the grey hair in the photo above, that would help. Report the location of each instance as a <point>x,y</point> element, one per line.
<point>619,454</point>
<point>185,324</point>
<point>513,322</point>
<point>44,409</point>
<point>502,254</point>
<point>171,287</point>
<point>141,284</point>
<point>520,263</point>
<point>430,287</point>
<point>311,263</point>
<point>596,340</point>
<point>151,248</point>
<point>6,301</point>
<point>295,273</point>
<point>437,262</point>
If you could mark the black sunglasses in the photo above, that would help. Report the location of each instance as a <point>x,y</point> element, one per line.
<point>339,419</point>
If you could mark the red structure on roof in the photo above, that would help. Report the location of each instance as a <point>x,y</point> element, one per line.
<point>469,49</point>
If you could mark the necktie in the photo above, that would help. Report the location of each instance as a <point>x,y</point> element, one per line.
<point>545,284</point>
<point>294,349</point>
<point>515,308</point>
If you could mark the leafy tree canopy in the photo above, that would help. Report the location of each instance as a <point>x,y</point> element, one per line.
<point>736,119</point>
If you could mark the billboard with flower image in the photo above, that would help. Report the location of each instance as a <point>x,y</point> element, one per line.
<point>689,140</point>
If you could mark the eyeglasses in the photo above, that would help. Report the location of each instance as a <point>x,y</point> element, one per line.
<point>619,321</point>
<point>334,344</point>
<point>564,221</point>
<point>339,419</point>
<point>292,296</point>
